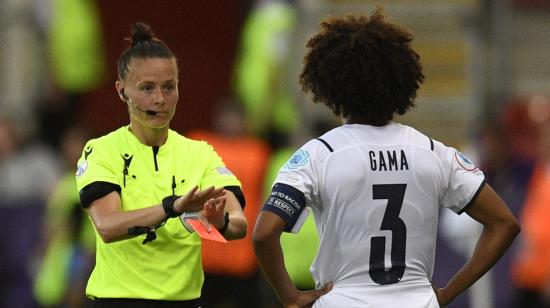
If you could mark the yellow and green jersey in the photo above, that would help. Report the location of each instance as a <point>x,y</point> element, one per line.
<point>168,268</point>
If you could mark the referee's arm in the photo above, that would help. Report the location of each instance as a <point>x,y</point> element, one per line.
<point>237,225</point>
<point>112,223</point>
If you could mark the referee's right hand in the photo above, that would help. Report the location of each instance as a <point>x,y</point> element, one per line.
<point>195,199</point>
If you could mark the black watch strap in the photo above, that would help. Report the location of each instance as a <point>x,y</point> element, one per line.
<point>225,223</point>
<point>168,206</point>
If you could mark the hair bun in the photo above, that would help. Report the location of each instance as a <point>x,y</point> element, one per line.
<point>141,33</point>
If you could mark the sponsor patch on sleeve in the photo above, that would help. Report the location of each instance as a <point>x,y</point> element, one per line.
<point>465,162</point>
<point>290,178</point>
<point>299,159</point>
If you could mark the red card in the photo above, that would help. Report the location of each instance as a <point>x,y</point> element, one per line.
<point>213,235</point>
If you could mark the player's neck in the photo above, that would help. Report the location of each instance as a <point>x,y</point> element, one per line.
<point>349,120</point>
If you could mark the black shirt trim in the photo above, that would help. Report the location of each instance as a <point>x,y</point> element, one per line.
<point>96,190</point>
<point>465,208</point>
<point>326,144</point>
<point>155,152</point>
<point>237,191</point>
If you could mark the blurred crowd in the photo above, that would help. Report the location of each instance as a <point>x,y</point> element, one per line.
<point>53,55</point>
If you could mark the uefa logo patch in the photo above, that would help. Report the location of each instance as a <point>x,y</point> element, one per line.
<point>82,167</point>
<point>299,159</point>
<point>465,162</point>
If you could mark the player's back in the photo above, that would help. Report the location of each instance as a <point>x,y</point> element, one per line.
<point>379,190</point>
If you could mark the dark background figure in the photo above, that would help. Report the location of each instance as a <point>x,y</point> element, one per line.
<point>28,170</point>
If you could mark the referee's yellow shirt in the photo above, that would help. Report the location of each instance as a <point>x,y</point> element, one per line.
<point>168,268</point>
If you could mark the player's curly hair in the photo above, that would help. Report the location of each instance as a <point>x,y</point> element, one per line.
<point>363,68</point>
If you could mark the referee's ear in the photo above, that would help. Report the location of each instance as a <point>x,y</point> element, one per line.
<point>119,86</point>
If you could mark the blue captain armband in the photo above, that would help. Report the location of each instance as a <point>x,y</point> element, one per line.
<point>287,202</point>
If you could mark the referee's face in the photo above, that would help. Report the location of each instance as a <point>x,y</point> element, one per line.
<point>151,90</point>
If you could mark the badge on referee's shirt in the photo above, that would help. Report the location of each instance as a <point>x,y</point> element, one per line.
<point>82,167</point>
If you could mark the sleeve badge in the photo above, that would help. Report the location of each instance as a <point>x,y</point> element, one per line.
<point>82,167</point>
<point>299,158</point>
<point>465,162</point>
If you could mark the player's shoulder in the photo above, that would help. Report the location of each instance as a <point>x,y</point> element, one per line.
<point>330,141</point>
<point>424,142</point>
<point>441,151</point>
<point>321,146</point>
<point>314,150</point>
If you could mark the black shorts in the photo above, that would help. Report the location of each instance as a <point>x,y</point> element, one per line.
<point>142,303</point>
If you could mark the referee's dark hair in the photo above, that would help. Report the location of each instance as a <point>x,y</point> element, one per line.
<point>363,68</point>
<point>143,44</point>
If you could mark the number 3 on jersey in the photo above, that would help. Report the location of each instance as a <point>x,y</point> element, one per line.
<point>395,194</point>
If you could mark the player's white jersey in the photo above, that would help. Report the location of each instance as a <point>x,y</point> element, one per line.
<point>375,193</point>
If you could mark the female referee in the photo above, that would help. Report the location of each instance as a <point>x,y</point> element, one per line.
<point>136,182</point>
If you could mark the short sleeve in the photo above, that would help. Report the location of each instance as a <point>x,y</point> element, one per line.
<point>300,171</point>
<point>216,173</point>
<point>465,180</point>
<point>96,165</point>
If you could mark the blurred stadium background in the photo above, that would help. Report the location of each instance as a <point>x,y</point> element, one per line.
<point>487,92</point>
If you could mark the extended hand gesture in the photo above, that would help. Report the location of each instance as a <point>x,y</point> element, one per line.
<point>214,213</point>
<point>195,199</point>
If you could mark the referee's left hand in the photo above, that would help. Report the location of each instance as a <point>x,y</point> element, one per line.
<point>195,199</point>
<point>214,213</point>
